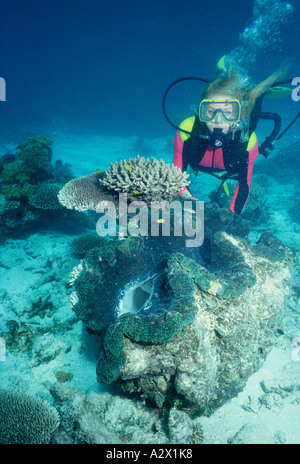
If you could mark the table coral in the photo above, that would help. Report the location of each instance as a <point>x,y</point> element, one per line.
<point>26,419</point>
<point>140,178</point>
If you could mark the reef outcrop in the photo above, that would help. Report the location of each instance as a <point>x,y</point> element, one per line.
<point>175,325</point>
<point>230,327</point>
<point>178,323</point>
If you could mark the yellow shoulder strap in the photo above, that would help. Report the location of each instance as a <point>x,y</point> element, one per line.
<point>187,125</point>
<point>252,141</point>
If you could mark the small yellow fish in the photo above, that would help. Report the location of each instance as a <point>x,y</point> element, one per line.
<point>136,192</point>
<point>161,221</point>
<point>99,171</point>
<point>128,167</point>
<point>132,198</point>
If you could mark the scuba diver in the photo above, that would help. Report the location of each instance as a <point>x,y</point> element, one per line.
<point>220,139</point>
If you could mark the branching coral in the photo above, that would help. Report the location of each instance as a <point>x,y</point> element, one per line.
<point>147,180</point>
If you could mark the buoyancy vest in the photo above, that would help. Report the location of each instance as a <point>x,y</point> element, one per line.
<point>235,152</point>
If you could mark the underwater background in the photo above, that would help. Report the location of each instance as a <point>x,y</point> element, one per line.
<point>89,77</point>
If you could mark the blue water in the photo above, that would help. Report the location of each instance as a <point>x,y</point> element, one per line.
<point>102,67</point>
<point>90,75</point>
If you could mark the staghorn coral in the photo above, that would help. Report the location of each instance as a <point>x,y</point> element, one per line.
<point>62,172</point>
<point>20,172</point>
<point>148,180</point>
<point>25,419</point>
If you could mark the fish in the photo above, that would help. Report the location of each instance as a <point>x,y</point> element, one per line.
<point>161,221</point>
<point>98,171</point>
<point>128,167</point>
<point>136,192</point>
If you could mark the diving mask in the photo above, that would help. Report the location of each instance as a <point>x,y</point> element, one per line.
<point>215,110</point>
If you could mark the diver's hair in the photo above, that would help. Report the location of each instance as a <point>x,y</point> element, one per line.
<point>231,84</point>
<point>264,86</point>
<point>239,87</point>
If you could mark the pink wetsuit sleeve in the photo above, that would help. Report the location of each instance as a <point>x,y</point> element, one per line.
<point>178,159</point>
<point>253,154</point>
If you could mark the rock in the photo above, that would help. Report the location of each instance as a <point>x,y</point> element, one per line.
<point>104,418</point>
<point>180,427</point>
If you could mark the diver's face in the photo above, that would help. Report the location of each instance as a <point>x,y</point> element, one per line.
<point>219,122</point>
